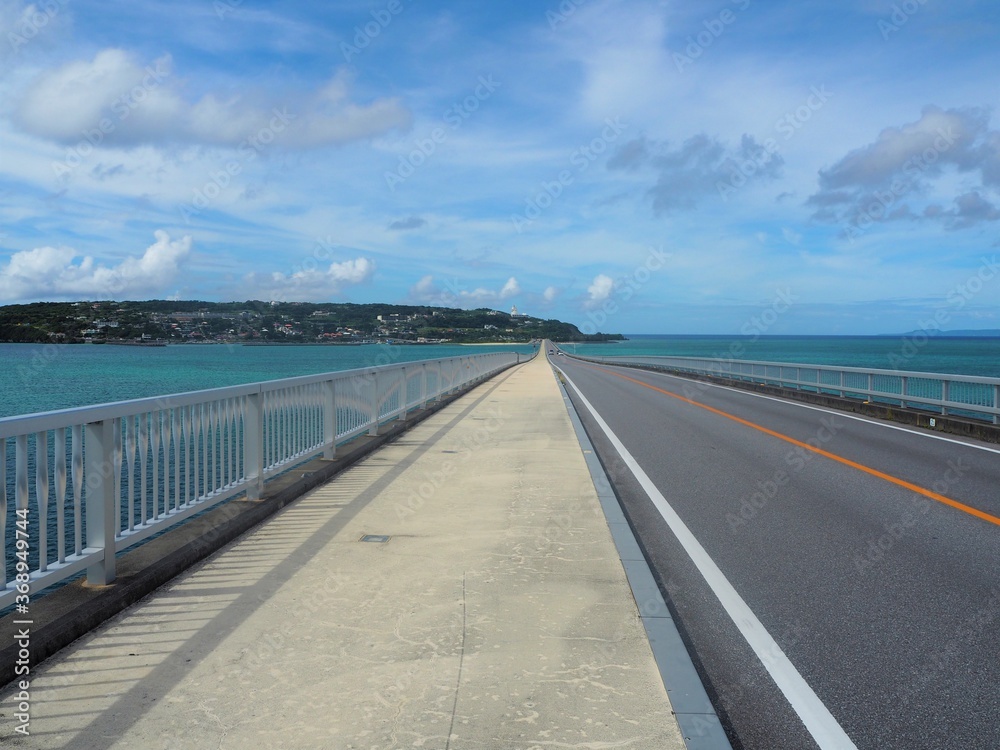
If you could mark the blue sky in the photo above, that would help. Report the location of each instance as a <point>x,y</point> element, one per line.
<point>639,167</point>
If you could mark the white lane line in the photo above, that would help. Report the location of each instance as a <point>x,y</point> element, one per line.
<point>836,412</point>
<point>829,735</point>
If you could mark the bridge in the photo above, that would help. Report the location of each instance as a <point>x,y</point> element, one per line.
<point>474,553</point>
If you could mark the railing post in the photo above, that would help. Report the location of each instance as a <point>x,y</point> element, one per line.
<point>329,419</point>
<point>403,388</point>
<point>996,403</point>
<point>423,385</point>
<point>373,430</point>
<point>253,445</point>
<point>944,396</point>
<point>98,470</point>
<point>902,391</point>
<point>842,391</point>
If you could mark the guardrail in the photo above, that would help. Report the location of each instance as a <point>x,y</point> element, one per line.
<point>90,482</point>
<point>965,395</point>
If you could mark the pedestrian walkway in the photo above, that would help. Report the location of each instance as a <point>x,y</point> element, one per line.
<point>457,589</point>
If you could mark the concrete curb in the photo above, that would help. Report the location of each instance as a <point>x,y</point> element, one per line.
<point>62,616</point>
<point>700,725</point>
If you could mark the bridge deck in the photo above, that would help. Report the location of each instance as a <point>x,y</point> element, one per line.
<point>495,615</point>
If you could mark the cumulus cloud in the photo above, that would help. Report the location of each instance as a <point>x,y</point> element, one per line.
<point>702,165</point>
<point>308,285</point>
<point>115,99</point>
<point>599,290</point>
<point>550,293</point>
<point>60,272</point>
<point>510,288</point>
<point>456,295</point>
<point>889,178</point>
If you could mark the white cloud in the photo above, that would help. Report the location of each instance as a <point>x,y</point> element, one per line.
<point>510,289</point>
<point>599,290</point>
<point>428,292</point>
<point>424,288</point>
<point>312,284</point>
<point>550,293</point>
<point>60,272</point>
<point>114,99</point>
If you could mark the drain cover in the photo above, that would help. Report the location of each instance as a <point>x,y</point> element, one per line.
<point>380,538</point>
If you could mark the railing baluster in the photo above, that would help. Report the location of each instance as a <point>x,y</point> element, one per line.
<point>42,496</point>
<point>130,444</point>
<point>157,444</point>
<point>117,466</point>
<point>208,441</point>
<point>59,477</point>
<point>143,466</point>
<point>3,511</point>
<point>175,443</point>
<point>77,469</point>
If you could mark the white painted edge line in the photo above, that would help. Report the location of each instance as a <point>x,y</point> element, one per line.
<point>818,720</point>
<point>835,412</point>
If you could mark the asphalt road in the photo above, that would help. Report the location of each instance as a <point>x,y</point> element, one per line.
<point>856,544</point>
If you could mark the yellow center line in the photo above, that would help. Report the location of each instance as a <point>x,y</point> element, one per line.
<point>832,456</point>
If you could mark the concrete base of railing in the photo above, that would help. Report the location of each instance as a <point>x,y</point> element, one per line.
<point>917,417</point>
<point>72,611</point>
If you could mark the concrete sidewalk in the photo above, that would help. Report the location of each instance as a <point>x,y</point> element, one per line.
<point>496,614</point>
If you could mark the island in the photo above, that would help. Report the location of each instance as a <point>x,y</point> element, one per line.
<point>256,322</point>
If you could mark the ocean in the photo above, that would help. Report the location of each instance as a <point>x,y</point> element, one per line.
<point>939,354</point>
<point>36,378</point>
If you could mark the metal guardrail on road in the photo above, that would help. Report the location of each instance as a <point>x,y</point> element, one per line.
<point>964,395</point>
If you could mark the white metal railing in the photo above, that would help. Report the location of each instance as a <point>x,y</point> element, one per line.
<point>956,394</point>
<point>90,482</point>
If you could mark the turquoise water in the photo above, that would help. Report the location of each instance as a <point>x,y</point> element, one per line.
<point>955,356</point>
<point>36,378</point>
<point>41,378</point>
